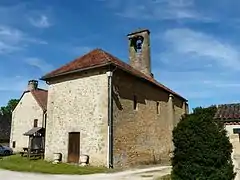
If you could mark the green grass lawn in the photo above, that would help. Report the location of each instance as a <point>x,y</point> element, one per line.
<point>18,163</point>
<point>167,177</point>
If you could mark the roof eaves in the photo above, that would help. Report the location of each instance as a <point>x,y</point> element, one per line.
<point>228,120</point>
<point>148,81</point>
<point>73,71</point>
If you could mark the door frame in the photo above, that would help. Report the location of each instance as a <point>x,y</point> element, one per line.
<point>69,152</point>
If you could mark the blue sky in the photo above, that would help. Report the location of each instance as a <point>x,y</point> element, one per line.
<point>195,44</point>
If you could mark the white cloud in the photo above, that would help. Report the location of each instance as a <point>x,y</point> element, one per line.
<point>41,22</point>
<point>192,43</point>
<point>39,63</point>
<point>199,66</point>
<point>157,10</point>
<point>12,40</point>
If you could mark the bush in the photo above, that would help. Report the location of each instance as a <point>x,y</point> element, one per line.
<point>202,148</point>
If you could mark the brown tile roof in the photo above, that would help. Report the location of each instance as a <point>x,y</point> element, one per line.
<point>41,96</point>
<point>98,58</point>
<point>228,112</point>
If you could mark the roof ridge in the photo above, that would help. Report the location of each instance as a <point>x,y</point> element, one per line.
<point>227,104</point>
<point>74,60</point>
<point>38,100</point>
<point>106,55</point>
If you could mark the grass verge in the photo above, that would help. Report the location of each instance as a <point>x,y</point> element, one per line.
<point>167,177</point>
<point>18,163</point>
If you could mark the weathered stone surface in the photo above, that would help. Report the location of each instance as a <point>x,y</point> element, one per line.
<point>78,104</point>
<point>22,120</point>
<point>142,135</point>
<point>141,61</point>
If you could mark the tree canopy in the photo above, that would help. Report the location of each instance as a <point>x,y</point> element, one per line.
<point>7,110</point>
<point>202,148</point>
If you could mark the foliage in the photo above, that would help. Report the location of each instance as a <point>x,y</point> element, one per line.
<point>7,110</point>
<point>202,148</point>
<point>18,163</point>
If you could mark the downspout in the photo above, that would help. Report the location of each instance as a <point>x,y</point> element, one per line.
<point>44,119</point>
<point>110,120</point>
<point>44,126</point>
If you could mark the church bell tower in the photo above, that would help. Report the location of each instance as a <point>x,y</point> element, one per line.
<point>139,51</point>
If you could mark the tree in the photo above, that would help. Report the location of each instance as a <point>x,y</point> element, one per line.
<point>7,110</point>
<point>202,148</point>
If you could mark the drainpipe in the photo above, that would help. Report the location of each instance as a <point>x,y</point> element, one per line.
<point>110,120</point>
<point>44,126</point>
<point>44,119</point>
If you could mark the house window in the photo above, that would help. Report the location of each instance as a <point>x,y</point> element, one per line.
<point>14,144</point>
<point>157,106</point>
<point>135,102</point>
<point>35,123</point>
<point>236,131</point>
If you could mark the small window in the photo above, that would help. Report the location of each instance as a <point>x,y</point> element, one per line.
<point>14,144</point>
<point>236,131</point>
<point>135,102</point>
<point>158,106</point>
<point>35,123</point>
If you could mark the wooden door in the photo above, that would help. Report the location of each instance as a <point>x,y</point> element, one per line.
<point>73,147</point>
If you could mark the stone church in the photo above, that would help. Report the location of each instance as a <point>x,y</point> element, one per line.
<point>114,112</point>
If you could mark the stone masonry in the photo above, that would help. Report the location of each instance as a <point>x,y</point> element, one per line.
<point>140,61</point>
<point>143,135</point>
<point>78,104</point>
<point>22,120</point>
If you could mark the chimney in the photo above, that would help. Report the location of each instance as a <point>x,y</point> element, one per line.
<point>32,85</point>
<point>139,51</point>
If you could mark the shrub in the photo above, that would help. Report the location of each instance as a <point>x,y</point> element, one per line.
<point>202,148</point>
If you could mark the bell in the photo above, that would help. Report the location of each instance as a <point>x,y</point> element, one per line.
<point>139,44</point>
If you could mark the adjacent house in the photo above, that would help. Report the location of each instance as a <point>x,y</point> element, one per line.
<point>114,112</point>
<point>29,116</point>
<point>230,115</point>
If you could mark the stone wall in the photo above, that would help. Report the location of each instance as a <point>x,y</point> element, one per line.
<point>78,104</point>
<point>143,135</point>
<point>179,108</point>
<point>22,120</point>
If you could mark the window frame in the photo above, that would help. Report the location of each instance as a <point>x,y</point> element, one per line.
<point>158,107</point>
<point>135,104</point>
<point>35,123</point>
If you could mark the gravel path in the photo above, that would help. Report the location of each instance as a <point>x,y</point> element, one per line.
<point>140,174</point>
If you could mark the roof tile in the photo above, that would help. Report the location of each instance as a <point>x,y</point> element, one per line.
<point>228,112</point>
<point>41,96</point>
